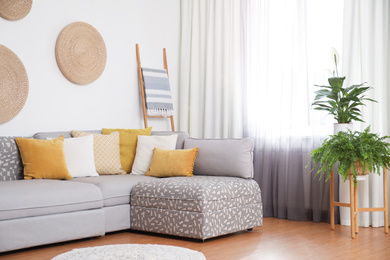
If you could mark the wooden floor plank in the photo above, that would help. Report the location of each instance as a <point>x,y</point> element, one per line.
<point>277,239</point>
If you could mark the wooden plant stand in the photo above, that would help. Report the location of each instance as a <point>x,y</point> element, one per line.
<point>353,192</point>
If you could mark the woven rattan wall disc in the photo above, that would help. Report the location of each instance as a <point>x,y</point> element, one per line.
<point>13,84</point>
<point>81,53</point>
<point>14,9</point>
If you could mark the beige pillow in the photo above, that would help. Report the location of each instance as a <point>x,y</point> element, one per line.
<point>106,152</point>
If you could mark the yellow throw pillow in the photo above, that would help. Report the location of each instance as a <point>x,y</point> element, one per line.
<point>171,163</point>
<point>128,144</point>
<point>106,152</point>
<point>43,159</point>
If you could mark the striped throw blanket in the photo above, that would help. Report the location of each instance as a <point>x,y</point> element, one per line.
<point>157,92</point>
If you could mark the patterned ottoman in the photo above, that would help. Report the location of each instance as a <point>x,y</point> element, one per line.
<point>197,207</point>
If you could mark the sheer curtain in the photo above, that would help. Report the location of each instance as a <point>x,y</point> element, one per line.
<point>248,67</point>
<point>287,52</point>
<point>210,77</point>
<point>366,55</point>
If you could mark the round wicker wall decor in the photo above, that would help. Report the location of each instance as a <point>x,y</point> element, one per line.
<point>13,84</point>
<point>14,9</point>
<point>81,53</point>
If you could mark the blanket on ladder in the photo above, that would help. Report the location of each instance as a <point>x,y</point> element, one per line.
<point>158,98</point>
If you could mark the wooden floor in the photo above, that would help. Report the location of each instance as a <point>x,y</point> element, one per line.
<point>276,239</point>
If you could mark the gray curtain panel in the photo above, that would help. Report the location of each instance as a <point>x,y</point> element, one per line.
<point>288,189</point>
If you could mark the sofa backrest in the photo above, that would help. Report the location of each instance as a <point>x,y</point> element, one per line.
<point>66,134</point>
<point>227,157</point>
<point>181,135</point>
<point>223,157</point>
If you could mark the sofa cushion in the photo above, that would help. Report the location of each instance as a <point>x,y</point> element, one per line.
<point>145,146</point>
<point>172,163</point>
<point>128,144</point>
<point>43,159</point>
<point>11,167</point>
<point>196,194</point>
<point>223,157</point>
<point>28,198</point>
<point>79,156</point>
<point>106,151</point>
<point>115,188</point>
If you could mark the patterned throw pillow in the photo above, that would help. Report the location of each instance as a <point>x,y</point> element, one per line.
<point>106,152</point>
<point>11,167</point>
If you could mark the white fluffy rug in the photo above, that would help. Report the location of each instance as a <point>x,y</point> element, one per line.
<point>133,252</point>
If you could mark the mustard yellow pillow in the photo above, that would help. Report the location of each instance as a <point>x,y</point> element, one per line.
<point>171,163</point>
<point>43,159</point>
<point>128,144</point>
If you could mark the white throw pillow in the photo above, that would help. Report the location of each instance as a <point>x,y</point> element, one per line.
<point>145,146</point>
<point>79,156</point>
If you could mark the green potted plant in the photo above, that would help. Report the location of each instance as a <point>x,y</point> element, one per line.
<point>357,152</point>
<point>341,102</point>
<point>344,103</point>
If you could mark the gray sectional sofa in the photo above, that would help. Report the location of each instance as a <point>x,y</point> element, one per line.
<point>220,198</point>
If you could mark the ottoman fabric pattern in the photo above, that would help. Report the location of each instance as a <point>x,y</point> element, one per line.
<point>194,224</point>
<point>197,207</point>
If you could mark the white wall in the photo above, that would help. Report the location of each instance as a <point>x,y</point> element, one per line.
<point>113,101</point>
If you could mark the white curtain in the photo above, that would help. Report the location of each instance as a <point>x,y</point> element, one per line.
<point>288,52</point>
<point>210,77</point>
<point>366,56</point>
<point>248,67</point>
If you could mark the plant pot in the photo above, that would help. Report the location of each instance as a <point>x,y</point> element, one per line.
<point>359,169</point>
<point>343,186</point>
<point>342,127</point>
